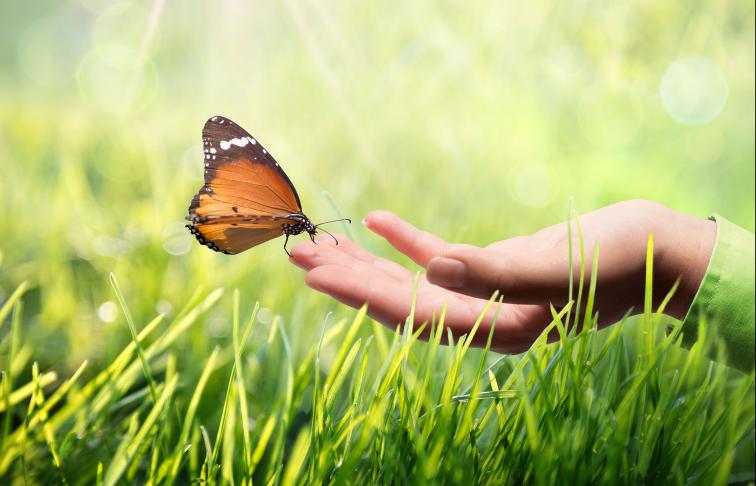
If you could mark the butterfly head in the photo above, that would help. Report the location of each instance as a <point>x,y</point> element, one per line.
<point>302,224</point>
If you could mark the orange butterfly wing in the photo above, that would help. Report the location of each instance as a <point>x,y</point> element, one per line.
<point>230,237</point>
<point>246,197</point>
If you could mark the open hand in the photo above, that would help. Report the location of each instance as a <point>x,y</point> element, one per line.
<point>531,272</point>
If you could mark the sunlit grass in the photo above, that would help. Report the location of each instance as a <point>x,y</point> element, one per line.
<point>618,408</point>
<point>474,123</point>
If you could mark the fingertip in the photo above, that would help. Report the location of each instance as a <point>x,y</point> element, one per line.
<point>298,264</point>
<point>375,220</point>
<point>302,250</point>
<point>311,280</point>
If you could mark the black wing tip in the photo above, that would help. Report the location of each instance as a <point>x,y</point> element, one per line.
<point>219,120</point>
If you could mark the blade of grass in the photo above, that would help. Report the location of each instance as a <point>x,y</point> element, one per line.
<point>8,376</point>
<point>296,459</point>
<point>134,338</point>
<point>181,446</point>
<point>8,304</point>
<point>126,451</point>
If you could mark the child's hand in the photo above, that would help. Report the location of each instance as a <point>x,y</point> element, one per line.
<point>530,272</point>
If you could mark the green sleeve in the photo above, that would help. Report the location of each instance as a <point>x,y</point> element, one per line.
<point>726,295</point>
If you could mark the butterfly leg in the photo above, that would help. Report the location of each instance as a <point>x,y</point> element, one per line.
<point>285,242</point>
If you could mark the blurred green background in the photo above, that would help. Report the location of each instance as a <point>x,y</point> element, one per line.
<point>477,121</point>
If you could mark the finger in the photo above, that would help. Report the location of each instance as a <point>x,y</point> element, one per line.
<point>347,246</point>
<point>522,277</point>
<point>310,255</point>
<point>392,268</point>
<point>388,301</point>
<point>299,264</point>
<point>315,254</point>
<point>419,245</point>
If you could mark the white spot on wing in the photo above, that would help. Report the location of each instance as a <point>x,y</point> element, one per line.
<point>239,142</point>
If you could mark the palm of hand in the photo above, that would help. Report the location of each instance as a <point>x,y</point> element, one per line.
<point>531,272</point>
<point>354,276</point>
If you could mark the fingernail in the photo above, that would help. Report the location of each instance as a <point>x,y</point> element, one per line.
<point>365,223</point>
<point>446,272</point>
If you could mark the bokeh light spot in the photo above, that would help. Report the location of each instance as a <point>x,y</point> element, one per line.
<point>49,50</point>
<point>532,185</point>
<point>107,311</point>
<point>264,316</point>
<point>217,326</point>
<point>116,80</point>
<point>164,307</point>
<point>693,90</point>
<point>176,239</point>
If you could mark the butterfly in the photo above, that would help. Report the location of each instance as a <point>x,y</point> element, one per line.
<point>247,198</point>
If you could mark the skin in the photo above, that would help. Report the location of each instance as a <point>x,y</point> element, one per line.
<point>530,272</point>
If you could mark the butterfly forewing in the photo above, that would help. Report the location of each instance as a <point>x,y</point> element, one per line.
<point>246,197</point>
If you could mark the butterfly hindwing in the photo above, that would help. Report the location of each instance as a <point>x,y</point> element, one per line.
<point>234,235</point>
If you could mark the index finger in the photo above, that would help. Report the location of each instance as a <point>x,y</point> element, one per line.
<point>419,245</point>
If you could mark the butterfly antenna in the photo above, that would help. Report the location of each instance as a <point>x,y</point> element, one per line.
<point>348,220</point>
<point>329,234</point>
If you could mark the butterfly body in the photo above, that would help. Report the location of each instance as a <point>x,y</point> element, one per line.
<point>302,224</point>
<point>247,198</point>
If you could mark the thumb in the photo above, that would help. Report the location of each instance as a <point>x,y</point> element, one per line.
<point>521,278</point>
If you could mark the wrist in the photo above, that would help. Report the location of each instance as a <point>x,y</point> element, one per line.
<point>685,247</point>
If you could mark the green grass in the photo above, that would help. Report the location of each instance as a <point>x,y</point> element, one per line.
<point>623,407</point>
<point>474,122</point>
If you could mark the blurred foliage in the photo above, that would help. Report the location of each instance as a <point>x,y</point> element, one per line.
<point>412,109</point>
<point>474,122</point>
